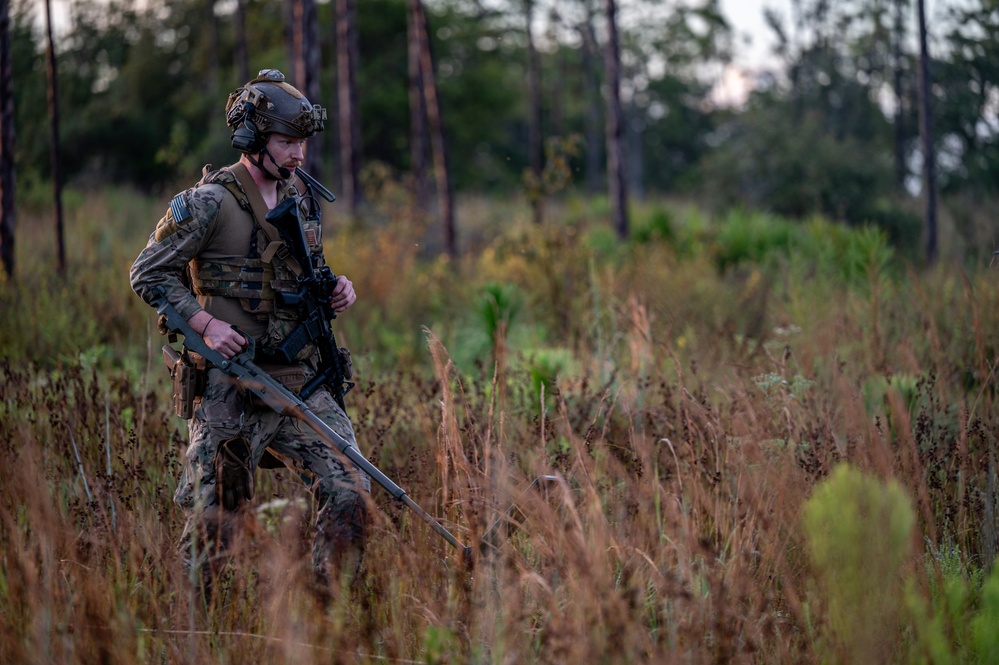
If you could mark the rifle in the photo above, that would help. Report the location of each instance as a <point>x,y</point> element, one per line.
<point>248,376</point>
<point>313,302</point>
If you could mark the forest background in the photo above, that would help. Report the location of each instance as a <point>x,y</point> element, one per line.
<point>769,418</point>
<point>832,128</point>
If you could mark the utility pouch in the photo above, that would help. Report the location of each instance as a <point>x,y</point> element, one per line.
<point>291,377</point>
<point>188,382</point>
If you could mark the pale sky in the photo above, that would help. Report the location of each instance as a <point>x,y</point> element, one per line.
<point>746,19</point>
<point>754,40</point>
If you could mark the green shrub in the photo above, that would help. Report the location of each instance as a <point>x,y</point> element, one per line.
<point>545,366</point>
<point>751,237</point>
<point>957,622</point>
<point>859,533</point>
<point>658,227</point>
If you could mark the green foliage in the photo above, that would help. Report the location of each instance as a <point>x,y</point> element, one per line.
<point>776,387</point>
<point>657,227</point>
<point>498,307</point>
<point>983,632</point>
<point>877,388</point>
<point>55,319</point>
<point>545,367</point>
<point>440,645</point>
<point>748,237</point>
<point>956,624</point>
<point>857,256</point>
<point>142,87</point>
<point>795,167</point>
<point>859,533</point>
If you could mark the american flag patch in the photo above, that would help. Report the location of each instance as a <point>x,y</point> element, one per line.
<point>311,237</point>
<point>178,208</point>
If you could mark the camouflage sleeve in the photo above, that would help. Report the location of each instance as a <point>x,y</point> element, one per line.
<point>179,237</point>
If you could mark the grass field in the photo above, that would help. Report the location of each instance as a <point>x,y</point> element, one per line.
<point>773,442</point>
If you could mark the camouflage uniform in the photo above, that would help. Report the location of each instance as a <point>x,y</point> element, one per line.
<point>203,222</point>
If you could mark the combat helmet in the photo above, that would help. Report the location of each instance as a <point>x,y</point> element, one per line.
<point>269,104</point>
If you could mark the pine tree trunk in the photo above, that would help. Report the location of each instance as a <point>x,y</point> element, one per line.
<point>291,33</point>
<point>313,66</point>
<point>617,186</point>
<point>242,59</point>
<point>213,45</point>
<point>349,123</point>
<point>53,96</point>
<point>445,196</point>
<point>926,132</point>
<point>305,46</point>
<point>897,38</point>
<point>7,221</point>
<point>419,133</point>
<point>535,190</point>
<point>591,93</point>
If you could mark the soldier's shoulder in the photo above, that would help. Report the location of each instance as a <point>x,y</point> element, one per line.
<point>203,200</point>
<point>189,209</point>
<point>211,175</point>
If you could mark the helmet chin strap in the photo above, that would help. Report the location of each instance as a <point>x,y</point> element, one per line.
<point>259,163</point>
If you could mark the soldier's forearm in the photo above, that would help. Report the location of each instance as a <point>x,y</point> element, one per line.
<point>199,322</point>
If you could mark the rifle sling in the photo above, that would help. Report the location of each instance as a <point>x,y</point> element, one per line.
<point>260,210</point>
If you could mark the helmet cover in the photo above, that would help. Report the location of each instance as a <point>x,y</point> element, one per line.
<point>273,105</point>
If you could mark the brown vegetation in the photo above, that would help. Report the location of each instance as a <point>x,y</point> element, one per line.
<point>687,412</point>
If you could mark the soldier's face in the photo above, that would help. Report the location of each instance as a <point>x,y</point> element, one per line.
<point>287,151</point>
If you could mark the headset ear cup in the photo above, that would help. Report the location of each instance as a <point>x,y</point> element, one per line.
<point>246,138</point>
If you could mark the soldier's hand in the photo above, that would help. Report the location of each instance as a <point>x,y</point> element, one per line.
<point>223,338</point>
<point>343,295</point>
<point>218,334</point>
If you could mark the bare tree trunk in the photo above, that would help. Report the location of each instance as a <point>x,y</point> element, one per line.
<point>333,134</point>
<point>445,196</point>
<point>290,33</point>
<point>535,191</point>
<point>7,221</point>
<point>556,123</point>
<point>350,126</point>
<point>926,132</point>
<point>795,50</point>
<point>591,93</point>
<point>313,89</point>
<point>617,189</point>
<point>897,37</point>
<point>296,44</point>
<point>305,45</point>
<point>419,133</point>
<point>242,59</point>
<point>53,74</point>
<point>213,45</point>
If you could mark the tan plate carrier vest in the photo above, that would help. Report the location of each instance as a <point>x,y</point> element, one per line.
<point>253,262</point>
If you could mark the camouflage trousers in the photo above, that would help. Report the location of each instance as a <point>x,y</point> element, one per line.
<point>338,487</point>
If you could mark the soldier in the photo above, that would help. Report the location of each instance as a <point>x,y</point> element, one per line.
<point>221,264</point>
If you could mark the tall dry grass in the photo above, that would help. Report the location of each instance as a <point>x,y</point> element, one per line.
<point>687,414</point>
